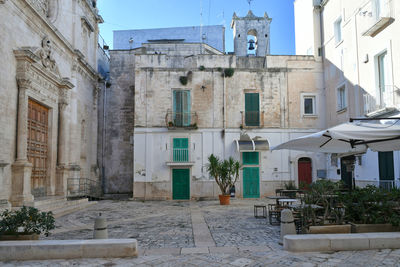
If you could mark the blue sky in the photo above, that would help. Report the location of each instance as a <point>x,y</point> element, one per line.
<point>147,14</point>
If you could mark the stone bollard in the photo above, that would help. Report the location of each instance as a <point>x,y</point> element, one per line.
<point>287,224</point>
<point>100,228</point>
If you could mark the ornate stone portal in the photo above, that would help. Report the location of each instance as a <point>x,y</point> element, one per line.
<point>39,80</point>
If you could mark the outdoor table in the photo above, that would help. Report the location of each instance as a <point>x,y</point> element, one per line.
<point>277,198</point>
<point>297,206</point>
<point>290,192</point>
<point>287,201</point>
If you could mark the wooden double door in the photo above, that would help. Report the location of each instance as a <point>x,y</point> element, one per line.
<point>38,133</point>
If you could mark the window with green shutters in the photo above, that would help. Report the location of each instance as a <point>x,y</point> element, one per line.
<point>181,108</point>
<point>252,109</point>
<point>250,158</point>
<point>181,149</point>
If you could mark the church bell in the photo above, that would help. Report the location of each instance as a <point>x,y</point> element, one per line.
<point>251,45</point>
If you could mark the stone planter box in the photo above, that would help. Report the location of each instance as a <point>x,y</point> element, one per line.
<point>373,228</point>
<point>330,229</point>
<point>19,237</point>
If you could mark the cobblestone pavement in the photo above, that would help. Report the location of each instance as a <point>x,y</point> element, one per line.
<point>172,234</point>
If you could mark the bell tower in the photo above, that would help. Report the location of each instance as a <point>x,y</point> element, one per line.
<point>251,35</point>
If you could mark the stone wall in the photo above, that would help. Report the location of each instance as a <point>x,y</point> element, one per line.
<point>119,120</point>
<point>51,59</point>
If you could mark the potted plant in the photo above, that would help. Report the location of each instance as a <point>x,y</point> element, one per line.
<point>225,173</point>
<point>372,209</point>
<point>170,124</point>
<point>26,223</point>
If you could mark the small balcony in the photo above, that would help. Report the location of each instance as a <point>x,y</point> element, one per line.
<point>378,15</point>
<point>387,99</point>
<point>180,157</point>
<point>252,119</point>
<point>181,120</point>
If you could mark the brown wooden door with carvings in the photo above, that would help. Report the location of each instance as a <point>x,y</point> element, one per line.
<point>38,121</point>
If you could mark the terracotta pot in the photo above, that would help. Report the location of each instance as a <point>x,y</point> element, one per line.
<point>224,199</point>
<point>19,237</point>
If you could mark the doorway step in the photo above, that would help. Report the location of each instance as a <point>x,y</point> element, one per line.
<point>60,206</point>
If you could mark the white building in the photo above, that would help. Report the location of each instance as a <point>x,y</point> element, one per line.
<point>187,106</point>
<point>358,41</point>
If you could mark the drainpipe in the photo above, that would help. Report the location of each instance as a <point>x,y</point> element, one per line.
<point>223,112</point>
<point>103,176</point>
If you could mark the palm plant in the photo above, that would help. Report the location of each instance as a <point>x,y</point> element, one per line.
<point>225,172</point>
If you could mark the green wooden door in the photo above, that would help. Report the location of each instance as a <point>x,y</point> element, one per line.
<point>386,166</point>
<point>252,109</point>
<point>180,184</point>
<point>251,182</point>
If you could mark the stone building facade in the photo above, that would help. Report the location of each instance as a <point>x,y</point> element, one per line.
<point>190,105</point>
<point>358,43</point>
<point>49,88</point>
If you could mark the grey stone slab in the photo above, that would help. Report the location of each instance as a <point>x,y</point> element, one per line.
<point>194,250</point>
<point>162,251</point>
<point>223,250</point>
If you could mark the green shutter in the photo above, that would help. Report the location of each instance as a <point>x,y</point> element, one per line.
<point>181,108</point>
<point>252,109</point>
<point>386,166</point>
<point>181,149</point>
<point>250,158</point>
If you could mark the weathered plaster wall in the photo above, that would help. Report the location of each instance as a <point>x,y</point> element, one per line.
<point>214,36</point>
<point>119,121</point>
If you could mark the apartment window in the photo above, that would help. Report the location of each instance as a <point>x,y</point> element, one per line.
<point>181,108</point>
<point>252,109</point>
<point>383,79</point>
<point>341,98</point>
<point>338,30</point>
<point>309,105</point>
<point>379,8</point>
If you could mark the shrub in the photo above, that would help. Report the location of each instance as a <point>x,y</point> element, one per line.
<point>229,72</point>
<point>202,68</point>
<point>29,219</point>
<point>183,80</point>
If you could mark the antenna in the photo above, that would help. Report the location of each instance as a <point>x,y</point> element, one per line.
<point>249,1</point>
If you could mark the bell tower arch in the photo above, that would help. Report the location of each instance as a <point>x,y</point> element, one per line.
<point>251,34</point>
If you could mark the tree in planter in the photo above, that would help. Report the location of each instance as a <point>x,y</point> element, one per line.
<point>225,172</point>
<point>28,219</point>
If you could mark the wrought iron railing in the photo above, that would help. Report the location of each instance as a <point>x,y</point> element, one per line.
<point>104,47</point>
<point>181,120</point>
<point>389,96</point>
<point>252,118</point>
<point>180,155</point>
<point>83,187</point>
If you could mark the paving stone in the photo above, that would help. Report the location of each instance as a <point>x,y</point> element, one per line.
<point>164,230</point>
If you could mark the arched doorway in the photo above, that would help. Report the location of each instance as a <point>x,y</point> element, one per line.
<point>304,171</point>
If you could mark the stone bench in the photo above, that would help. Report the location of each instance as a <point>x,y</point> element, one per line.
<point>338,242</point>
<point>67,249</point>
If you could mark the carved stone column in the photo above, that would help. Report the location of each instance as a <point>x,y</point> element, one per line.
<point>63,137</point>
<point>21,168</point>
<point>62,154</point>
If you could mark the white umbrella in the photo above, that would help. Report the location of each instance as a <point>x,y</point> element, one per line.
<point>349,138</point>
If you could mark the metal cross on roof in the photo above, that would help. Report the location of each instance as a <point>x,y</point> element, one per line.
<point>249,1</point>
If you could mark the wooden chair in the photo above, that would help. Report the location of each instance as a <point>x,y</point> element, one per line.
<point>274,214</point>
